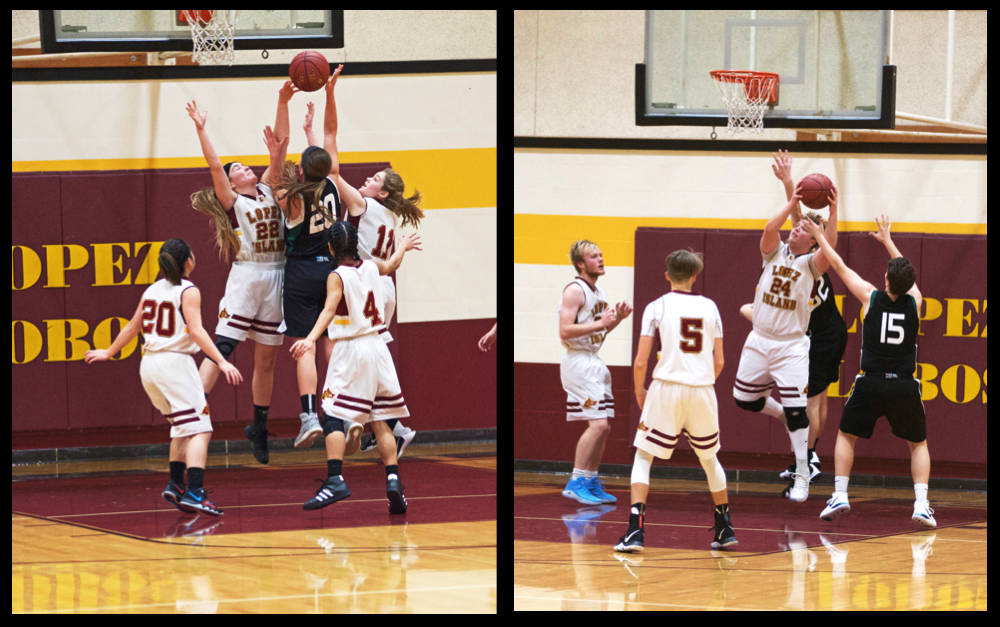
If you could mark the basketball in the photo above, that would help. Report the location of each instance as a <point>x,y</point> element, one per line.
<point>309,70</point>
<point>815,191</point>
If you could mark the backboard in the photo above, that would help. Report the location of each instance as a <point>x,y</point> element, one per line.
<point>832,66</point>
<point>165,30</point>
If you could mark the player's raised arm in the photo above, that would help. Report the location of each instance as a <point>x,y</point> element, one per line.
<point>410,241</point>
<point>782,168</point>
<point>882,235</point>
<point>831,224</point>
<point>771,237</point>
<point>351,198</point>
<point>272,174</point>
<point>223,190</point>
<point>857,286</point>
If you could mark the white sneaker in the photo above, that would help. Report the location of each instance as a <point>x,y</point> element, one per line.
<point>309,430</point>
<point>923,514</point>
<point>352,435</point>
<point>403,441</point>
<point>799,491</point>
<point>836,505</point>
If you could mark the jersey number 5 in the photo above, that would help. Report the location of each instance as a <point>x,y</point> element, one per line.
<point>691,334</point>
<point>889,326</point>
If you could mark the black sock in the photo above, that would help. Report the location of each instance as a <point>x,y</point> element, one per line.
<point>392,423</point>
<point>196,478</point>
<point>722,510</point>
<point>334,467</point>
<point>308,403</point>
<point>637,516</point>
<point>260,416</point>
<point>177,472</point>
<point>392,470</point>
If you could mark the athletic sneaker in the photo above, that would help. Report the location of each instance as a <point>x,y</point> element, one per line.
<point>578,490</point>
<point>368,442</point>
<point>815,468</point>
<point>799,490</point>
<point>333,489</point>
<point>836,505</point>
<point>173,493</point>
<point>309,431</point>
<point>258,443</point>
<point>923,514</point>
<point>397,500</point>
<point>631,542</point>
<point>724,536</point>
<point>197,500</point>
<point>403,441</point>
<point>352,432</point>
<point>595,487</point>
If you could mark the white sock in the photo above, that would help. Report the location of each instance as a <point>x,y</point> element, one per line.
<point>920,491</point>
<point>840,484</point>
<point>800,445</point>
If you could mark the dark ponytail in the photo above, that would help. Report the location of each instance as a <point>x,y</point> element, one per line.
<point>173,255</point>
<point>343,242</point>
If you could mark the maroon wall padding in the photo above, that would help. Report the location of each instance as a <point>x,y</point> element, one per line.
<point>60,401</point>
<point>951,354</point>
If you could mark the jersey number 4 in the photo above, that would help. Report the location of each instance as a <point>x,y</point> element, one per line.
<point>371,310</point>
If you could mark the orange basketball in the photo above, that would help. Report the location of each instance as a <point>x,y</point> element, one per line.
<point>815,191</point>
<point>309,70</point>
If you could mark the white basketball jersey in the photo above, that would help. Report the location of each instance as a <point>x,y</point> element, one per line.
<point>595,302</point>
<point>260,227</point>
<point>360,311</point>
<point>687,325</point>
<point>781,306</point>
<point>377,240</point>
<point>163,325</point>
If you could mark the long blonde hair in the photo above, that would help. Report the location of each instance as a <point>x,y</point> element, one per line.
<point>204,201</point>
<point>405,208</point>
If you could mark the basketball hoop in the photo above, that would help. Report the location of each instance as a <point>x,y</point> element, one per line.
<point>746,95</point>
<point>212,33</point>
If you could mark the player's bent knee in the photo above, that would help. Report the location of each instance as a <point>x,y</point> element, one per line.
<point>756,405</point>
<point>796,418</point>
<point>714,473</point>
<point>226,346</point>
<point>331,424</point>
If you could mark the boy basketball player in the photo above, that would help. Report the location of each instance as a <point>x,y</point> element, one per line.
<point>584,322</point>
<point>885,386</point>
<point>681,397</point>
<point>776,353</point>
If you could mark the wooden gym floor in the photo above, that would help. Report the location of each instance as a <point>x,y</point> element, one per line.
<point>873,558</point>
<point>97,537</point>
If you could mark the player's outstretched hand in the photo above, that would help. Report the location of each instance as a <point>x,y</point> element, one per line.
<point>832,197</point>
<point>98,354</point>
<point>199,117</point>
<point>812,228</point>
<point>301,347</point>
<point>288,89</point>
<point>487,340</point>
<point>273,142</point>
<point>782,166</point>
<point>883,224</point>
<point>410,241</point>
<point>232,375</point>
<point>330,84</point>
<point>622,310</point>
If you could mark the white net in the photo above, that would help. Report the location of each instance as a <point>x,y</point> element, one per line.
<point>213,37</point>
<point>746,96</point>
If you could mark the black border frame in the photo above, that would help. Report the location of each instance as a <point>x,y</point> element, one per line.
<point>886,119</point>
<point>50,43</point>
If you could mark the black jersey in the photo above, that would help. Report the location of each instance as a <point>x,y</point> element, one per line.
<point>825,320</point>
<point>889,335</point>
<point>310,237</point>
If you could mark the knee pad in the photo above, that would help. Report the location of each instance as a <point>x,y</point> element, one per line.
<point>756,405</point>
<point>714,473</point>
<point>796,418</point>
<point>641,467</point>
<point>226,346</point>
<point>331,424</point>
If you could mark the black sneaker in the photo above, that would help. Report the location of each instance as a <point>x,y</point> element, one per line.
<point>724,537</point>
<point>631,542</point>
<point>397,500</point>
<point>367,441</point>
<point>333,489</point>
<point>815,468</point>
<point>258,443</point>
<point>173,493</point>
<point>197,500</point>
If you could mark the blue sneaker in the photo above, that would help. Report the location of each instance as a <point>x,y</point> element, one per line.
<point>197,500</point>
<point>578,490</point>
<point>598,490</point>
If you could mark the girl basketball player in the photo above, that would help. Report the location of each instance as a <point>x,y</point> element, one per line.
<point>361,371</point>
<point>169,318</point>
<point>376,210</point>
<point>248,227</point>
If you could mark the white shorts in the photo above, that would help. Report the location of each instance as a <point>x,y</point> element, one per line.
<point>671,409</point>
<point>361,382</point>
<point>251,306</point>
<point>587,382</point>
<point>768,363</point>
<point>172,383</point>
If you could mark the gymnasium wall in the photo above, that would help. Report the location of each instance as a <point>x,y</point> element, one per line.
<point>582,171</point>
<point>102,171</point>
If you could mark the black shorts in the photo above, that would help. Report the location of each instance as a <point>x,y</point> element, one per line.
<point>304,293</point>
<point>898,399</point>
<point>825,353</point>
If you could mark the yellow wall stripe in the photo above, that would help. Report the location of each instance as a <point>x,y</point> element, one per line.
<point>447,178</point>
<point>545,239</point>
